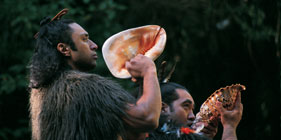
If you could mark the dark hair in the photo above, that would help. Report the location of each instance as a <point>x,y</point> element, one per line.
<point>168,92</point>
<point>46,61</point>
<point>82,106</point>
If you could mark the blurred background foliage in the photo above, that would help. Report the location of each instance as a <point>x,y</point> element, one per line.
<point>217,43</point>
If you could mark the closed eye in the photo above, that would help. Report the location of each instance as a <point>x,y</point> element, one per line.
<point>187,104</point>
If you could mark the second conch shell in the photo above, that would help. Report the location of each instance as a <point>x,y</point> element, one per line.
<point>148,40</point>
<point>226,95</point>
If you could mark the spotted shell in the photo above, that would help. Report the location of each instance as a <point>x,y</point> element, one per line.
<point>148,40</point>
<point>226,95</point>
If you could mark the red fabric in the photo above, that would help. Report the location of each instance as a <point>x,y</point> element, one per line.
<point>187,130</point>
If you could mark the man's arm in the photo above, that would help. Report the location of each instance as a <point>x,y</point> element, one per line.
<point>144,115</point>
<point>230,119</point>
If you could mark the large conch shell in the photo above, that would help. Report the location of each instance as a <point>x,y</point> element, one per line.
<point>226,95</point>
<point>148,40</point>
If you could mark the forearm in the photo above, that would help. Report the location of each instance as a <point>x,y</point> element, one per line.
<point>144,115</point>
<point>150,101</point>
<point>35,109</point>
<point>229,133</point>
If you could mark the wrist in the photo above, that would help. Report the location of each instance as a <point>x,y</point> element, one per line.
<point>229,133</point>
<point>151,71</point>
<point>229,127</point>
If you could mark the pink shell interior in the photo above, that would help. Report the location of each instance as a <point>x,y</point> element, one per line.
<point>147,40</point>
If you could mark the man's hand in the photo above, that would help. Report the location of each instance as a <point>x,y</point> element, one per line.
<point>231,118</point>
<point>140,66</point>
<point>210,129</point>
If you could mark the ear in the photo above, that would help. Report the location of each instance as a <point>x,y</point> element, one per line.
<point>165,108</point>
<point>64,49</point>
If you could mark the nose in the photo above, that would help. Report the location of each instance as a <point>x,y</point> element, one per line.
<point>93,45</point>
<point>191,116</point>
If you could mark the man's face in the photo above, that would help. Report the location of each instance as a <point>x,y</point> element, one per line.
<point>181,111</point>
<point>84,58</point>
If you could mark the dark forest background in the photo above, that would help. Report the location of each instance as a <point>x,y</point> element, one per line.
<point>217,42</point>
